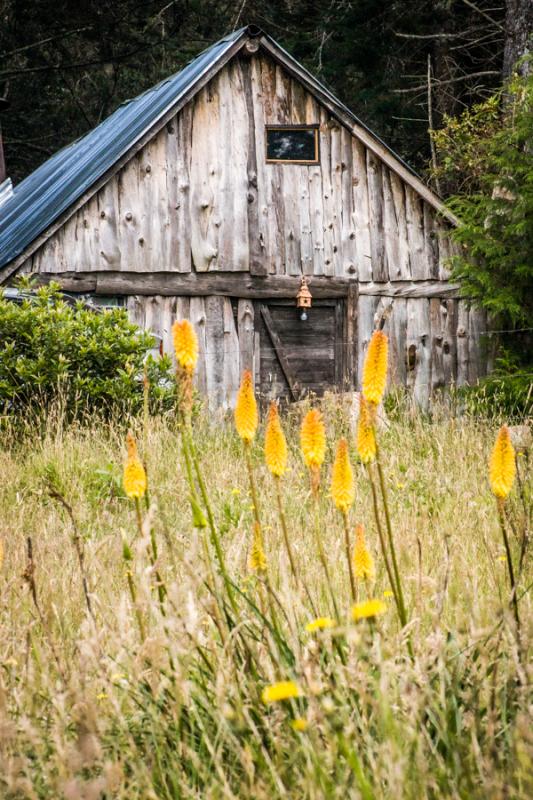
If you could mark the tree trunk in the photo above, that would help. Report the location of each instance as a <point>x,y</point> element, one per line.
<point>518,35</point>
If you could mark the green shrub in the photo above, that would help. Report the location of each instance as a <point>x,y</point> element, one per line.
<point>51,350</point>
<point>507,392</point>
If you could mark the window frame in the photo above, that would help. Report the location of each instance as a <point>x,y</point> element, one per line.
<point>313,126</point>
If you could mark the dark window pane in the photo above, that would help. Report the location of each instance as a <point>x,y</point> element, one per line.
<point>291,144</point>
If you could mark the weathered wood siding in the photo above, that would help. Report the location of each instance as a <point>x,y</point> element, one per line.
<point>200,197</point>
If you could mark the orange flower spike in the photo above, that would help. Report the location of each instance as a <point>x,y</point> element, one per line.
<point>134,480</point>
<point>313,439</point>
<point>363,563</point>
<point>246,415</point>
<point>185,345</point>
<point>275,444</point>
<point>342,486</point>
<point>502,467</point>
<point>365,438</point>
<point>375,368</point>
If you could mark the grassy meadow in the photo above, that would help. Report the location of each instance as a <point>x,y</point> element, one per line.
<point>134,665</point>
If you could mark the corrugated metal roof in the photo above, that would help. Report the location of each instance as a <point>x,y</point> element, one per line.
<point>44,195</point>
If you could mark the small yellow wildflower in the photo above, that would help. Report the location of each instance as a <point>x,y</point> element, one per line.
<point>185,345</point>
<point>246,416</point>
<point>320,623</point>
<point>283,690</point>
<point>342,488</point>
<point>300,724</point>
<point>275,444</point>
<point>502,468</point>
<point>388,593</point>
<point>134,475</point>
<point>369,608</point>
<point>363,563</point>
<point>375,368</point>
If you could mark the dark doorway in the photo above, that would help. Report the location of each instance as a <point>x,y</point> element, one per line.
<point>296,357</point>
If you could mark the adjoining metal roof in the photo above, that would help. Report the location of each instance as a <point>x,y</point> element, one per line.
<point>44,195</point>
<point>41,198</point>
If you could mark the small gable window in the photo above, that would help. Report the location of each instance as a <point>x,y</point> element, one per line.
<point>296,144</point>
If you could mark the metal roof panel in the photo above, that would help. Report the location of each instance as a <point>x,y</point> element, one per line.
<point>52,188</point>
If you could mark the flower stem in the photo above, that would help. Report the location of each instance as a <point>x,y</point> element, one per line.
<point>401,602</point>
<point>288,546</point>
<point>318,540</point>
<point>210,518</point>
<point>348,554</point>
<point>512,581</point>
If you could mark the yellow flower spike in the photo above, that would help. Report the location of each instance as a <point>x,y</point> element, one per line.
<point>502,467</point>
<point>375,368</point>
<point>313,439</point>
<point>342,486</point>
<point>275,444</point>
<point>365,438</point>
<point>320,624</point>
<point>363,562</point>
<point>134,480</point>
<point>185,345</point>
<point>368,609</point>
<point>283,690</point>
<point>257,560</point>
<point>246,416</point>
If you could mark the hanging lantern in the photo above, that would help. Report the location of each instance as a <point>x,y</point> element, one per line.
<point>303,299</point>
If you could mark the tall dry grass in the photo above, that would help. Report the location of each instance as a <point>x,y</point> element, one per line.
<point>159,691</point>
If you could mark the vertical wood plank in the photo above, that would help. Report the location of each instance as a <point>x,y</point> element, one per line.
<point>391,231</point>
<point>462,336</point>
<point>418,345</point>
<point>197,318</point>
<point>380,270</point>
<point>246,331</point>
<point>414,214</point>
<point>361,213</point>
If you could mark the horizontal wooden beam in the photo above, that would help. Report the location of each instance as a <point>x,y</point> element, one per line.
<point>235,284</point>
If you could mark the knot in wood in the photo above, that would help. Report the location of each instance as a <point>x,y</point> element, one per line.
<point>129,216</point>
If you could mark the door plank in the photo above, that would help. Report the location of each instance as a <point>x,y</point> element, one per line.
<point>278,347</point>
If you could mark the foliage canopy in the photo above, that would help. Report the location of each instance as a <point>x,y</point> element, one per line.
<point>487,154</point>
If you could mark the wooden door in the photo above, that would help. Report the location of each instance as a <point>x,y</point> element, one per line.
<point>299,358</point>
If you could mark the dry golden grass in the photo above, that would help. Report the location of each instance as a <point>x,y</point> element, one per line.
<point>91,707</point>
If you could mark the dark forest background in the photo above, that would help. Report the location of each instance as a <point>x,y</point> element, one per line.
<point>64,66</point>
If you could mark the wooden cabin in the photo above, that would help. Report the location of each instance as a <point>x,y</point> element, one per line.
<point>209,196</point>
